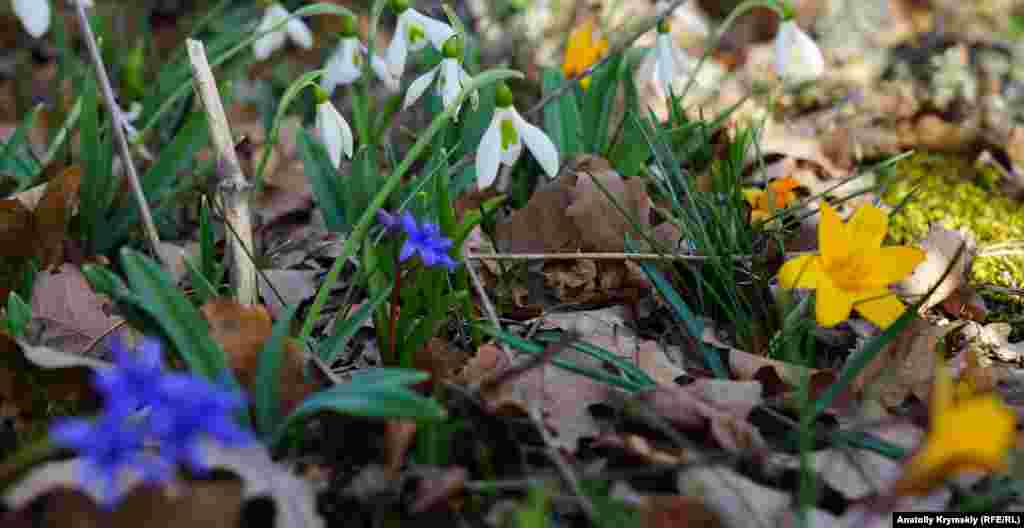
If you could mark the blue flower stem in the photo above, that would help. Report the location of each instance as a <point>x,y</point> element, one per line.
<point>395,298</point>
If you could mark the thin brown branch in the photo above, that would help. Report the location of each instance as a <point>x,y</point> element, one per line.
<point>117,121</point>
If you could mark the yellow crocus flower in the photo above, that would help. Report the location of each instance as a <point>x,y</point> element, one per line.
<point>582,51</point>
<point>971,434</point>
<point>853,269</point>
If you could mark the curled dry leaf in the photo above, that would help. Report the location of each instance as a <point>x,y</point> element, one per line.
<point>727,423</point>
<point>600,221</point>
<point>69,315</point>
<point>904,367</point>
<point>777,377</point>
<point>260,477</point>
<point>741,502</point>
<point>242,331</point>
<point>941,246</point>
<point>443,488</point>
<point>670,511</point>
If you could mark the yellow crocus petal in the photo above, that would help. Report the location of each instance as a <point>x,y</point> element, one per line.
<point>974,435</point>
<point>891,264</point>
<point>832,238</point>
<point>867,227</point>
<point>801,272</point>
<point>881,307</point>
<point>832,305</point>
<point>585,82</point>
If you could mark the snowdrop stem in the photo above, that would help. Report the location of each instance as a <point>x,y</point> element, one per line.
<point>740,10</point>
<point>117,123</point>
<point>362,227</point>
<point>293,91</point>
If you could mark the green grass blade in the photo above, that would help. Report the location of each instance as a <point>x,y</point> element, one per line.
<point>266,385</point>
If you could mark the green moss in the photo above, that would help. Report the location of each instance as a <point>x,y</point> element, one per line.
<point>956,193</point>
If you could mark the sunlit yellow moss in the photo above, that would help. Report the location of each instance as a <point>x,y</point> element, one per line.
<point>958,194</point>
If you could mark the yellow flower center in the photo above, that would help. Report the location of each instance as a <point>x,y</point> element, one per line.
<point>849,271</point>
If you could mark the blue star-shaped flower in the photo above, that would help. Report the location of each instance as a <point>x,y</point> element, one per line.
<point>427,241</point>
<point>109,446</point>
<point>189,410</point>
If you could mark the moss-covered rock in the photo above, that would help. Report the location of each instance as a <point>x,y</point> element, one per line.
<point>956,193</point>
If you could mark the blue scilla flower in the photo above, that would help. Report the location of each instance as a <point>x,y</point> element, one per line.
<point>190,410</point>
<point>108,447</point>
<point>181,410</point>
<point>424,239</point>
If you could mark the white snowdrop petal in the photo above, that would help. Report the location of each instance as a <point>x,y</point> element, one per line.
<point>34,15</point>
<point>437,32</point>
<point>540,145</point>
<point>270,42</point>
<point>334,132</point>
<point>384,73</point>
<point>797,57</point>
<point>450,84</point>
<point>398,49</point>
<point>666,70</point>
<point>419,86</point>
<point>488,154</point>
<point>299,32</point>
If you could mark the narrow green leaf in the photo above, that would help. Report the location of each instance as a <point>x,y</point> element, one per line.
<point>323,179</point>
<point>694,326</point>
<point>562,116</point>
<point>375,393</point>
<point>19,313</point>
<point>177,317</point>
<point>290,94</point>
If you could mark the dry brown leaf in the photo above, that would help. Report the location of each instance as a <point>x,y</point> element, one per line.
<point>543,225</point>
<point>242,330</point>
<point>293,286</point>
<point>941,246</point>
<point>600,222</point>
<point>198,503</point>
<point>741,502</point>
<point>904,367</point>
<point>685,408</point>
<point>70,315</point>
<point>398,437</point>
<point>779,138</point>
<point>17,230</point>
<point>671,511</point>
<point>53,213</point>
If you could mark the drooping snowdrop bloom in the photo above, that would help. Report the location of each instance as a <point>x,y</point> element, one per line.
<point>797,57</point>
<point>294,29</point>
<point>450,75</point>
<point>346,64</point>
<point>412,33</point>
<point>332,128</point>
<point>504,138</point>
<point>35,14</point>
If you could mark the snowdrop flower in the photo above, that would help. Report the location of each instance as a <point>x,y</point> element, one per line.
<point>332,127</point>
<point>295,29</point>
<point>346,64</point>
<point>797,57</point>
<point>451,77</point>
<point>35,14</point>
<point>504,138</point>
<point>413,31</point>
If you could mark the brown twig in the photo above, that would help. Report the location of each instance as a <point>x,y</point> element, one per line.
<point>117,122</point>
<point>233,187</point>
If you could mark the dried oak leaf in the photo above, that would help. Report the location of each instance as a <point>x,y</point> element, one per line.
<point>904,367</point>
<point>242,330</point>
<point>601,222</point>
<point>67,313</point>
<point>543,225</point>
<point>941,246</point>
